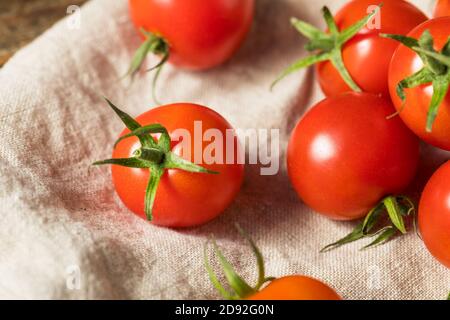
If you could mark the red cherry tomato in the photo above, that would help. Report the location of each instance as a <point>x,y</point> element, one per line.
<point>442,8</point>
<point>201,34</point>
<point>344,156</point>
<point>296,288</point>
<point>414,110</point>
<point>434,215</point>
<point>183,199</point>
<point>367,56</point>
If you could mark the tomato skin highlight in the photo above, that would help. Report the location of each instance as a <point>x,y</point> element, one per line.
<point>201,34</point>
<point>296,288</point>
<point>434,215</point>
<point>344,156</point>
<point>367,56</point>
<point>442,9</point>
<point>183,199</point>
<point>406,62</point>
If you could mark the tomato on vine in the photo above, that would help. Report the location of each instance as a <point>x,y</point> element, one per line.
<point>346,160</point>
<point>294,287</point>
<point>419,79</point>
<point>351,56</point>
<point>194,34</point>
<point>153,169</point>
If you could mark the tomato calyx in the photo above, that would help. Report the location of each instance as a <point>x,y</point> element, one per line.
<point>157,45</point>
<point>436,71</point>
<point>153,155</point>
<point>240,288</point>
<point>396,207</point>
<point>326,45</point>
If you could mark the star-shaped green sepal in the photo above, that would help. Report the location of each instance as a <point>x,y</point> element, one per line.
<point>240,289</point>
<point>436,71</point>
<point>327,46</point>
<point>153,155</point>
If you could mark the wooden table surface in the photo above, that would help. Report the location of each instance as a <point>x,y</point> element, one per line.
<point>23,20</point>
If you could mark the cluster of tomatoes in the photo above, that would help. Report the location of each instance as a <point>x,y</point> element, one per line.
<point>385,72</point>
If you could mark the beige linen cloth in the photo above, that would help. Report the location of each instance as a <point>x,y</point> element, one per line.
<point>62,222</point>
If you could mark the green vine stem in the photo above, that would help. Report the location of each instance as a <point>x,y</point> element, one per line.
<point>436,71</point>
<point>395,208</point>
<point>157,45</point>
<point>326,46</point>
<point>240,289</point>
<point>152,155</point>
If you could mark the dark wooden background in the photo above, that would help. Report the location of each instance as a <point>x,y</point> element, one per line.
<point>23,20</point>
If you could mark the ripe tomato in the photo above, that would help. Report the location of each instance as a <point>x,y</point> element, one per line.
<point>344,156</point>
<point>296,288</point>
<point>414,110</point>
<point>200,34</point>
<point>183,199</point>
<point>442,8</point>
<point>367,56</point>
<point>434,215</point>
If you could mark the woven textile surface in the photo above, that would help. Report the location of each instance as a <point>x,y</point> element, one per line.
<point>59,214</point>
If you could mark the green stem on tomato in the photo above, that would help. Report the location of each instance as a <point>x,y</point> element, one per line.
<point>436,71</point>
<point>240,288</point>
<point>152,155</point>
<point>395,208</point>
<point>327,46</point>
<point>157,45</point>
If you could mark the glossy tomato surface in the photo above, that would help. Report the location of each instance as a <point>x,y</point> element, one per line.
<point>201,34</point>
<point>442,8</point>
<point>367,56</point>
<point>344,156</point>
<point>183,199</point>
<point>434,215</point>
<point>296,288</point>
<point>406,62</point>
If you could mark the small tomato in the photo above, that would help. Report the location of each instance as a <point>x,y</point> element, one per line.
<point>155,176</point>
<point>419,79</point>
<point>434,214</point>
